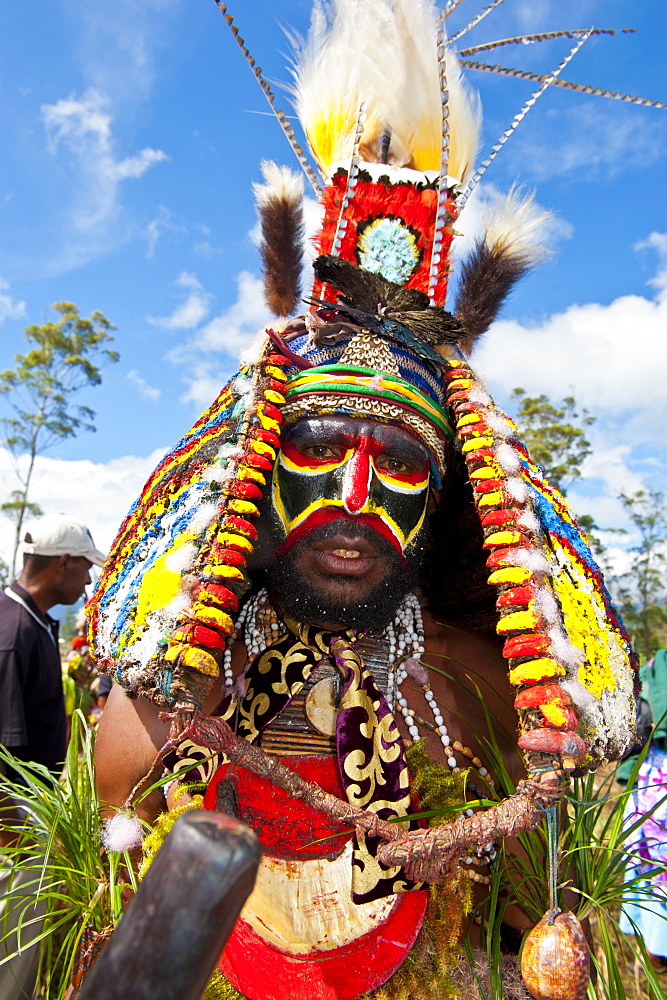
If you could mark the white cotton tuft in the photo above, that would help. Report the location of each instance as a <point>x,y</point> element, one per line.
<point>178,604</point>
<point>499,424</point>
<point>582,698</point>
<point>528,520</point>
<point>242,385</point>
<point>571,655</point>
<point>548,605</point>
<point>122,832</point>
<point>480,396</point>
<point>216,474</point>
<point>251,354</point>
<point>530,559</point>
<point>181,559</point>
<point>517,489</point>
<point>202,517</point>
<point>228,451</point>
<point>508,457</point>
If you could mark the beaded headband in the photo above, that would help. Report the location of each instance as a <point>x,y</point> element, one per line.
<point>373,395</point>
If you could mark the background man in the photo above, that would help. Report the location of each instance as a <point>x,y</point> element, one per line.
<point>58,554</point>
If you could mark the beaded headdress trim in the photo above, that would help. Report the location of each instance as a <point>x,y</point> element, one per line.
<point>346,379</point>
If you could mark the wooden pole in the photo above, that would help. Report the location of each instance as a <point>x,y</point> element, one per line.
<point>176,926</point>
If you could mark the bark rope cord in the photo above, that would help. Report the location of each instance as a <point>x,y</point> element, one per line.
<point>424,854</point>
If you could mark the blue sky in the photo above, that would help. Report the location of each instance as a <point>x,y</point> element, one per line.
<point>131,133</point>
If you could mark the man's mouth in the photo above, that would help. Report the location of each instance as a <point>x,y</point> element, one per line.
<point>348,544</point>
<point>344,554</point>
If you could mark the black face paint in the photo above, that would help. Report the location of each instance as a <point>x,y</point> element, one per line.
<point>331,599</point>
<point>335,465</point>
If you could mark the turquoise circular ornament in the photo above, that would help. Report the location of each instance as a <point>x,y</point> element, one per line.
<point>387,246</point>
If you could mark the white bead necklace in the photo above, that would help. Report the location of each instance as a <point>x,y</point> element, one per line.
<point>260,626</point>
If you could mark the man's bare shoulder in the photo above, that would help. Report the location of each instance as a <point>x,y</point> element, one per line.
<point>469,678</point>
<point>463,649</point>
<point>129,737</point>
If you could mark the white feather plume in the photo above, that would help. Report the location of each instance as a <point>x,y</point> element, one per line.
<point>514,225</point>
<point>383,52</point>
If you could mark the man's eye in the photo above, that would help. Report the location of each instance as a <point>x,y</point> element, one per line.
<point>395,465</point>
<point>320,451</point>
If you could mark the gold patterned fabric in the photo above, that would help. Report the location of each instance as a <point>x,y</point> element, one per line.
<point>370,751</point>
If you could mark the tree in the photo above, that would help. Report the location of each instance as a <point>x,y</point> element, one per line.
<point>641,590</point>
<point>554,435</point>
<point>64,357</point>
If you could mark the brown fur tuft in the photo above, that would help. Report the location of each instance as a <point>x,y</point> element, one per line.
<point>279,202</point>
<point>487,277</point>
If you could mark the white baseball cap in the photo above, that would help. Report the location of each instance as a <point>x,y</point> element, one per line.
<point>61,535</point>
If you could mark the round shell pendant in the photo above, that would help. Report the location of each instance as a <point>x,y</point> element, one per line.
<point>321,710</point>
<point>555,963</point>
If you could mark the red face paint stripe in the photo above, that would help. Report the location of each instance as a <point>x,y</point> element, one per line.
<point>357,481</point>
<point>328,514</point>
<point>292,457</point>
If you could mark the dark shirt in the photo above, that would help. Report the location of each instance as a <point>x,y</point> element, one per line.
<point>33,725</point>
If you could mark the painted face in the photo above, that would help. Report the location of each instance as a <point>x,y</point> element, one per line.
<point>336,466</point>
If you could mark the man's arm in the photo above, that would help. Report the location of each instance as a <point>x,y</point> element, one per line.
<point>13,733</point>
<point>130,735</point>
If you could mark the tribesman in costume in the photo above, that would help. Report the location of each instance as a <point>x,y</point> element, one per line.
<point>347,584</point>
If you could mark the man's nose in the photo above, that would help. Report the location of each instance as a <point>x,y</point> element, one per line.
<point>356,482</point>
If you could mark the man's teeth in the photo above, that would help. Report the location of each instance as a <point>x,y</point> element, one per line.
<point>347,553</point>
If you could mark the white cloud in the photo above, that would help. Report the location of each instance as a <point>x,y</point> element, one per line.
<point>596,138</point>
<point>191,311</point>
<point>612,357</point>
<point>657,242</point>
<point>142,386</point>
<point>9,308</point>
<point>231,331</point>
<point>83,127</point>
<point>210,355</point>
<point>206,250</point>
<point>120,42</point>
<point>162,223</point>
<point>76,488</point>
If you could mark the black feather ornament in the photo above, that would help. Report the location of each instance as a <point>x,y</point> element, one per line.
<point>384,304</point>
